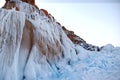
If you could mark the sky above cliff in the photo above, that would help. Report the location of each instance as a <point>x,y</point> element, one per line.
<point>97,22</point>
<point>77,1</point>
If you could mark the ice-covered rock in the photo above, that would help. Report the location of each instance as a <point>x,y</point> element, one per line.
<point>34,46</point>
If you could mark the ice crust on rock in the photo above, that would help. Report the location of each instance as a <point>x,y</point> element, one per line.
<point>34,47</point>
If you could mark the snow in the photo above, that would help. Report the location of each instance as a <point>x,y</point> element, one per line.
<point>52,55</point>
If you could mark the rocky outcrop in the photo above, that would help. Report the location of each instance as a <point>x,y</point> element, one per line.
<point>14,4</point>
<point>32,2</point>
<point>11,4</point>
<point>78,40</point>
<point>72,36</point>
<point>45,12</point>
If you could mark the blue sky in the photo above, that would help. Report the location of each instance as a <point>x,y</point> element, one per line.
<point>98,22</point>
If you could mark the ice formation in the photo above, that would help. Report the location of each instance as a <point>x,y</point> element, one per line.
<point>33,46</point>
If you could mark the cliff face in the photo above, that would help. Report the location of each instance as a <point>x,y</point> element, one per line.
<point>34,46</point>
<point>29,36</point>
<point>32,2</point>
<point>73,37</point>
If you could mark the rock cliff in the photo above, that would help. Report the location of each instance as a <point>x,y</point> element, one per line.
<point>34,46</point>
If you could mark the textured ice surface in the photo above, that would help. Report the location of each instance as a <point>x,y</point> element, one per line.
<point>51,56</point>
<point>11,29</point>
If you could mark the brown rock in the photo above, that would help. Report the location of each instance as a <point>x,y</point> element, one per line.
<point>45,12</point>
<point>32,2</point>
<point>12,4</point>
<point>58,23</point>
<point>27,37</point>
<point>9,4</point>
<point>17,9</point>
